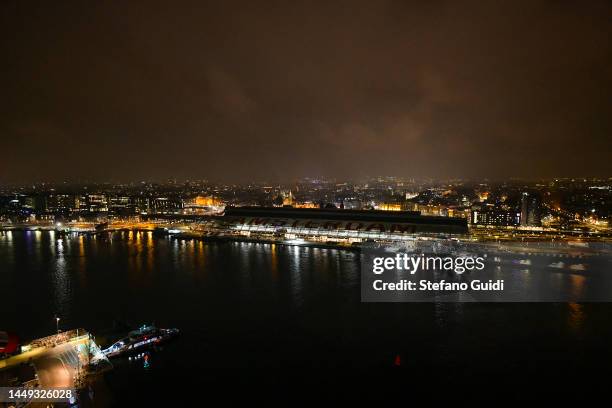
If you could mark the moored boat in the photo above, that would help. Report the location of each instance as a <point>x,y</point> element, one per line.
<point>137,340</point>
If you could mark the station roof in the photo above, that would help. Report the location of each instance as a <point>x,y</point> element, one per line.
<point>439,224</point>
<point>340,214</point>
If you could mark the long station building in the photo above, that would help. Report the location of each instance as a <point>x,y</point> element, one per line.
<point>338,224</point>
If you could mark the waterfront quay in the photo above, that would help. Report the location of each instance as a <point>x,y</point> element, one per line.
<point>318,227</point>
<point>66,359</point>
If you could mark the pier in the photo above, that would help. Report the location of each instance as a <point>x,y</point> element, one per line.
<point>60,360</point>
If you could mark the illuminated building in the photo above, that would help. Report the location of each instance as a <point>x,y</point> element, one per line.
<point>287,198</point>
<point>530,210</point>
<point>482,195</point>
<point>336,225</point>
<point>166,205</point>
<point>206,201</point>
<point>203,205</point>
<point>60,203</point>
<point>389,207</point>
<point>307,204</point>
<point>97,203</point>
<point>496,217</point>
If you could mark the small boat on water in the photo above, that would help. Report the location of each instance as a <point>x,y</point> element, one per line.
<point>140,339</point>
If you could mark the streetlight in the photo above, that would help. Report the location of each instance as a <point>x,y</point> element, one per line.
<point>57,319</point>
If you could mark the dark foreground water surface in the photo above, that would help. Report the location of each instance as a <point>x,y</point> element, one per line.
<point>279,324</point>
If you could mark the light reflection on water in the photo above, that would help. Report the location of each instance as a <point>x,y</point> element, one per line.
<point>133,276</point>
<point>576,316</point>
<point>61,280</point>
<point>139,260</point>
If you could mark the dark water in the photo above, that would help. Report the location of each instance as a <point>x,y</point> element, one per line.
<point>282,325</point>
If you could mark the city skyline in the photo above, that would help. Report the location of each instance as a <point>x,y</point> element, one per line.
<point>345,201</point>
<point>280,91</point>
<point>560,205</point>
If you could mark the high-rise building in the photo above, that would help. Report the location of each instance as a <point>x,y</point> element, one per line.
<point>530,210</point>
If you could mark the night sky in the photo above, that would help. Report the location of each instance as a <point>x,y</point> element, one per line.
<point>242,90</point>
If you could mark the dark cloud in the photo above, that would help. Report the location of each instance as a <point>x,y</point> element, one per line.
<point>241,90</point>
